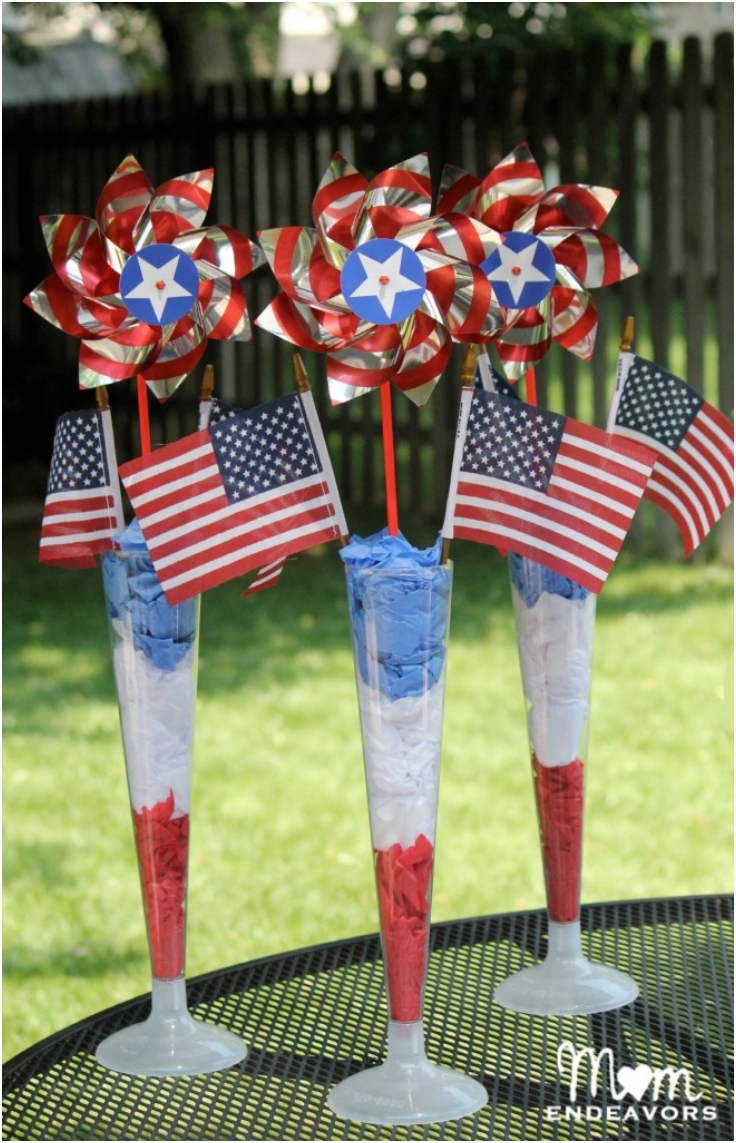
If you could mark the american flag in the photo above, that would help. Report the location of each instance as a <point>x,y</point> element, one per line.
<point>83,508</point>
<point>692,479</point>
<point>245,492</point>
<point>542,485</point>
<point>211,411</point>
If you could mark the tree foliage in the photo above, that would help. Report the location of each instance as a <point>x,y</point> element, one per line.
<point>446,31</point>
<point>163,42</point>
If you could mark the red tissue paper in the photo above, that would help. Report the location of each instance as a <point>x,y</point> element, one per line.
<point>559,794</point>
<point>403,879</point>
<point>162,844</point>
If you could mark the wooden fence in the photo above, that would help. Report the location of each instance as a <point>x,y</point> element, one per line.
<point>660,131</point>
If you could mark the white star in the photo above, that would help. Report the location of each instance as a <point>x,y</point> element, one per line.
<point>159,284</point>
<point>384,280</point>
<point>517,270</point>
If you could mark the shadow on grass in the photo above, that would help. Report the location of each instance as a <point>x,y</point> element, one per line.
<point>84,961</point>
<point>43,865</point>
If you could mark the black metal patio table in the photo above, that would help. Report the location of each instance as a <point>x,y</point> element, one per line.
<point>660,1068</point>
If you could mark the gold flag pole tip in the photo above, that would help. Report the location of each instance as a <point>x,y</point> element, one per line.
<point>627,335</point>
<point>467,378</point>
<point>467,375</point>
<point>208,383</point>
<point>300,373</point>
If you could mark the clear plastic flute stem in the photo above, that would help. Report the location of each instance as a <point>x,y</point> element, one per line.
<point>400,624</point>
<point>555,625</point>
<point>154,651</point>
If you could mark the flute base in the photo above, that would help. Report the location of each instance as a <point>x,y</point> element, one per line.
<point>170,1042</point>
<point>566,983</point>
<point>407,1088</point>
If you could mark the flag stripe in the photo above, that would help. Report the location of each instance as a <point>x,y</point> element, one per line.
<point>568,563</point>
<point>203,576</point>
<point>679,482</point>
<point>557,538</point>
<point>227,524</point>
<point>168,519</point>
<point>566,482</point>
<point>616,460</point>
<point>267,577</point>
<point>181,496</point>
<point>90,500</point>
<point>528,506</point>
<point>72,514</point>
<point>73,539</point>
<point>707,445</point>
<point>712,490</point>
<point>139,475</point>
<point>690,529</point>
<point>671,486</point>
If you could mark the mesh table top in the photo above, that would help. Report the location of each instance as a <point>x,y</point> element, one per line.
<point>314,1016</point>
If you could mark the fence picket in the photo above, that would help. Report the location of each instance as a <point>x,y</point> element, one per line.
<point>724,209</point>
<point>693,133</point>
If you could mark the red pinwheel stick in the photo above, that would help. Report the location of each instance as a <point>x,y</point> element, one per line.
<point>389,460</point>
<point>531,386</point>
<point>143,419</point>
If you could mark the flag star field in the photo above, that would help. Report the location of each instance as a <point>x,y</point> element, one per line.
<point>78,460</point>
<point>513,442</point>
<point>261,452</point>
<point>657,403</point>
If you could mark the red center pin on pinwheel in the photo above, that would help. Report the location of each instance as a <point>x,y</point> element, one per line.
<point>382,287</point>
<point>144,284</point>
<point>563,224</point>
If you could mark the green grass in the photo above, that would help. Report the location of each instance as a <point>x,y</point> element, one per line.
<point>280,852</point>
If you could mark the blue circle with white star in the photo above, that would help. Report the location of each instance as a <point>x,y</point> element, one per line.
<point>521,271</point>
<point>159,284</point>
<point>383,281</point>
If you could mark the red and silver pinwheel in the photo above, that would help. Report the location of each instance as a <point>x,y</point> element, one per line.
<point>550,253</point>
<point>145,284</point>
<point>379,284</point>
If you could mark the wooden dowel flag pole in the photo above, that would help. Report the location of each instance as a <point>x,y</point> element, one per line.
<point>207,387</point>
<point>627,339</point>
<point>302,384</point>
<point>143,420</point>
<point>103,401</point>
<point>389,460</point>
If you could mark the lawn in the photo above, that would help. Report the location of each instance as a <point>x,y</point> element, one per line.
<point>280,852</point>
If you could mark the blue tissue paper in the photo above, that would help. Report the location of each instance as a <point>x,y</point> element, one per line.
<point>399,601</point>
<point>532,579</point>
<point>135,598</point>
